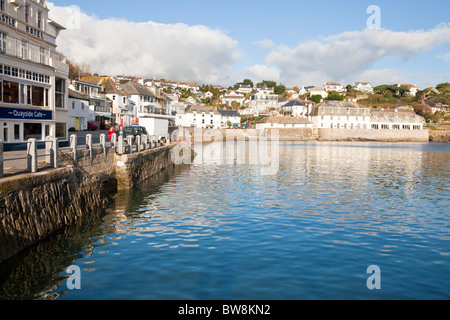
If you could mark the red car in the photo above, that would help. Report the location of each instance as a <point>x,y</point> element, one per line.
<point>91,126</point>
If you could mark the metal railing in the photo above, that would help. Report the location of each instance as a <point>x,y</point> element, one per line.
<point>120,144</point>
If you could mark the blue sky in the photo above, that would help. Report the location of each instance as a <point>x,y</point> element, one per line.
<point>291,25</point>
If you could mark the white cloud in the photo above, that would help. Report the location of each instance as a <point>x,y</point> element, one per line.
<point>350,54</point>
<point>445,57</point>
<point>258,73</point>
<point>265,44</point>
<point>172,51</point>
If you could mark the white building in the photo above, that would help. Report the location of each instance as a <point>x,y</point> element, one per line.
<point>297,108</point>
<point>33,77</point>
<point>364,87</point>
<point>282,122</point>
<point>244,89</point>
<point>100,106</point>
<point>397,118</point>
<point>231,97</point>
<point>262,103</point>
<point>229,118</point>
<point>199,117</point>
<point>318,91</point>
<point>79,113</point>
<point>334,86</point>
<point>340,115</point>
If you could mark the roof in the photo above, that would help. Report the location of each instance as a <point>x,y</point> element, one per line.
<point>292,103</point>
<point>229,113</point>
<point>198,109</point>
<point>77,95</point>
<point>285,120</point>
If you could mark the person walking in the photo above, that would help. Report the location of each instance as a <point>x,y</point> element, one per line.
<point>110,133</point>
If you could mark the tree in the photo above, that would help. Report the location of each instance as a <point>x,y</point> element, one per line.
<point>316,98</point>
<point>279,89</point>
<point>335,96</point>
<point>248,82</point>
<point>229,124</point>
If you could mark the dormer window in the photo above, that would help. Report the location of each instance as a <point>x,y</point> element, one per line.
<point>39,20</point>
<point>27,13</point>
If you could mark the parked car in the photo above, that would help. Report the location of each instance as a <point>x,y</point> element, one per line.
<point>134,131</point>
<point>91,126</point>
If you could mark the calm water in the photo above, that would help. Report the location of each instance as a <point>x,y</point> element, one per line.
<point>225,231</point>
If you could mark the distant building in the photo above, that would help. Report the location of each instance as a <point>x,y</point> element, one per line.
<point>283,122</point>
<point>78,111</point>
<point>297,108</point>
<point>318,91</point>
<point>231,97</point>
<point>261,103</point>
<point>334,86</point>
<point>232,116</point>
<point>397,118</point>
<point>199,117</point>
<point>340,115</point>
<point>364,87</point>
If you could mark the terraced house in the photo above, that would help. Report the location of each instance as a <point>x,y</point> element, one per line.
<point>33,77</point>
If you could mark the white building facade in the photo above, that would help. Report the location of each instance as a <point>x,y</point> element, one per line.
<point>33,77</point>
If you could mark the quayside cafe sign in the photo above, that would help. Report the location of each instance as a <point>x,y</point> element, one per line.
<point>25,114</point>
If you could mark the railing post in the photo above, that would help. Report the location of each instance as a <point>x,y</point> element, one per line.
<point>103,143</point>
<point>32,155</point>
<point>74,146</point>
<point>1,158</point>
<point>138,143</point>
<point>48,150</point>
<point>120,145</point>
<point>54,152</point>
<point>144,141</point>
<point>113,140</point>
<point>130,144</point>
<point>89,145</point>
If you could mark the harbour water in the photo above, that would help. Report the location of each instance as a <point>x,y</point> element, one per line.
<point>225,231</point>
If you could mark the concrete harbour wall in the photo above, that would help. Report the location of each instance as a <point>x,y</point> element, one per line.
<point>373,135</point>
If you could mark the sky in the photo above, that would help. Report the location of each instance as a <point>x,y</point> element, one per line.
<point>296,43</point>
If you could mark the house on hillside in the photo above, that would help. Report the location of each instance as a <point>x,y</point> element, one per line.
<point>197,116</point>
<point>230,118</point>
<point>297,108</point>
<point>282,122</point>
<point>364,87</point>
<point>334,86</point>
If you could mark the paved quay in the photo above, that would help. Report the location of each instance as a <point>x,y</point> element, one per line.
<point>15,162</point>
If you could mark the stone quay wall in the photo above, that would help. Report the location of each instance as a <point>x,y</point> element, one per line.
<point>34,206</point>
<point>373,135</point>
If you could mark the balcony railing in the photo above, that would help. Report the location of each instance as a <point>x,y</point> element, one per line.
<point>24,50</point>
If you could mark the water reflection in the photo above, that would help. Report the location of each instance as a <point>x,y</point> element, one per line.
<point>220,229</point>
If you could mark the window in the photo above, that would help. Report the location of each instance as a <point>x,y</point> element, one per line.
<point>24,50</point>
<point>10,92</point>
<point>5,132</point>
<point>32,130</point>
<point>2,5</point>
<point>60,90</point>
<point>61,130</point>
<point>42,57</point>
<point>39,20</point>
<point>17,132</point>
<point>37,96</point>
<point>2,42</point>
<point>27,13</point>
